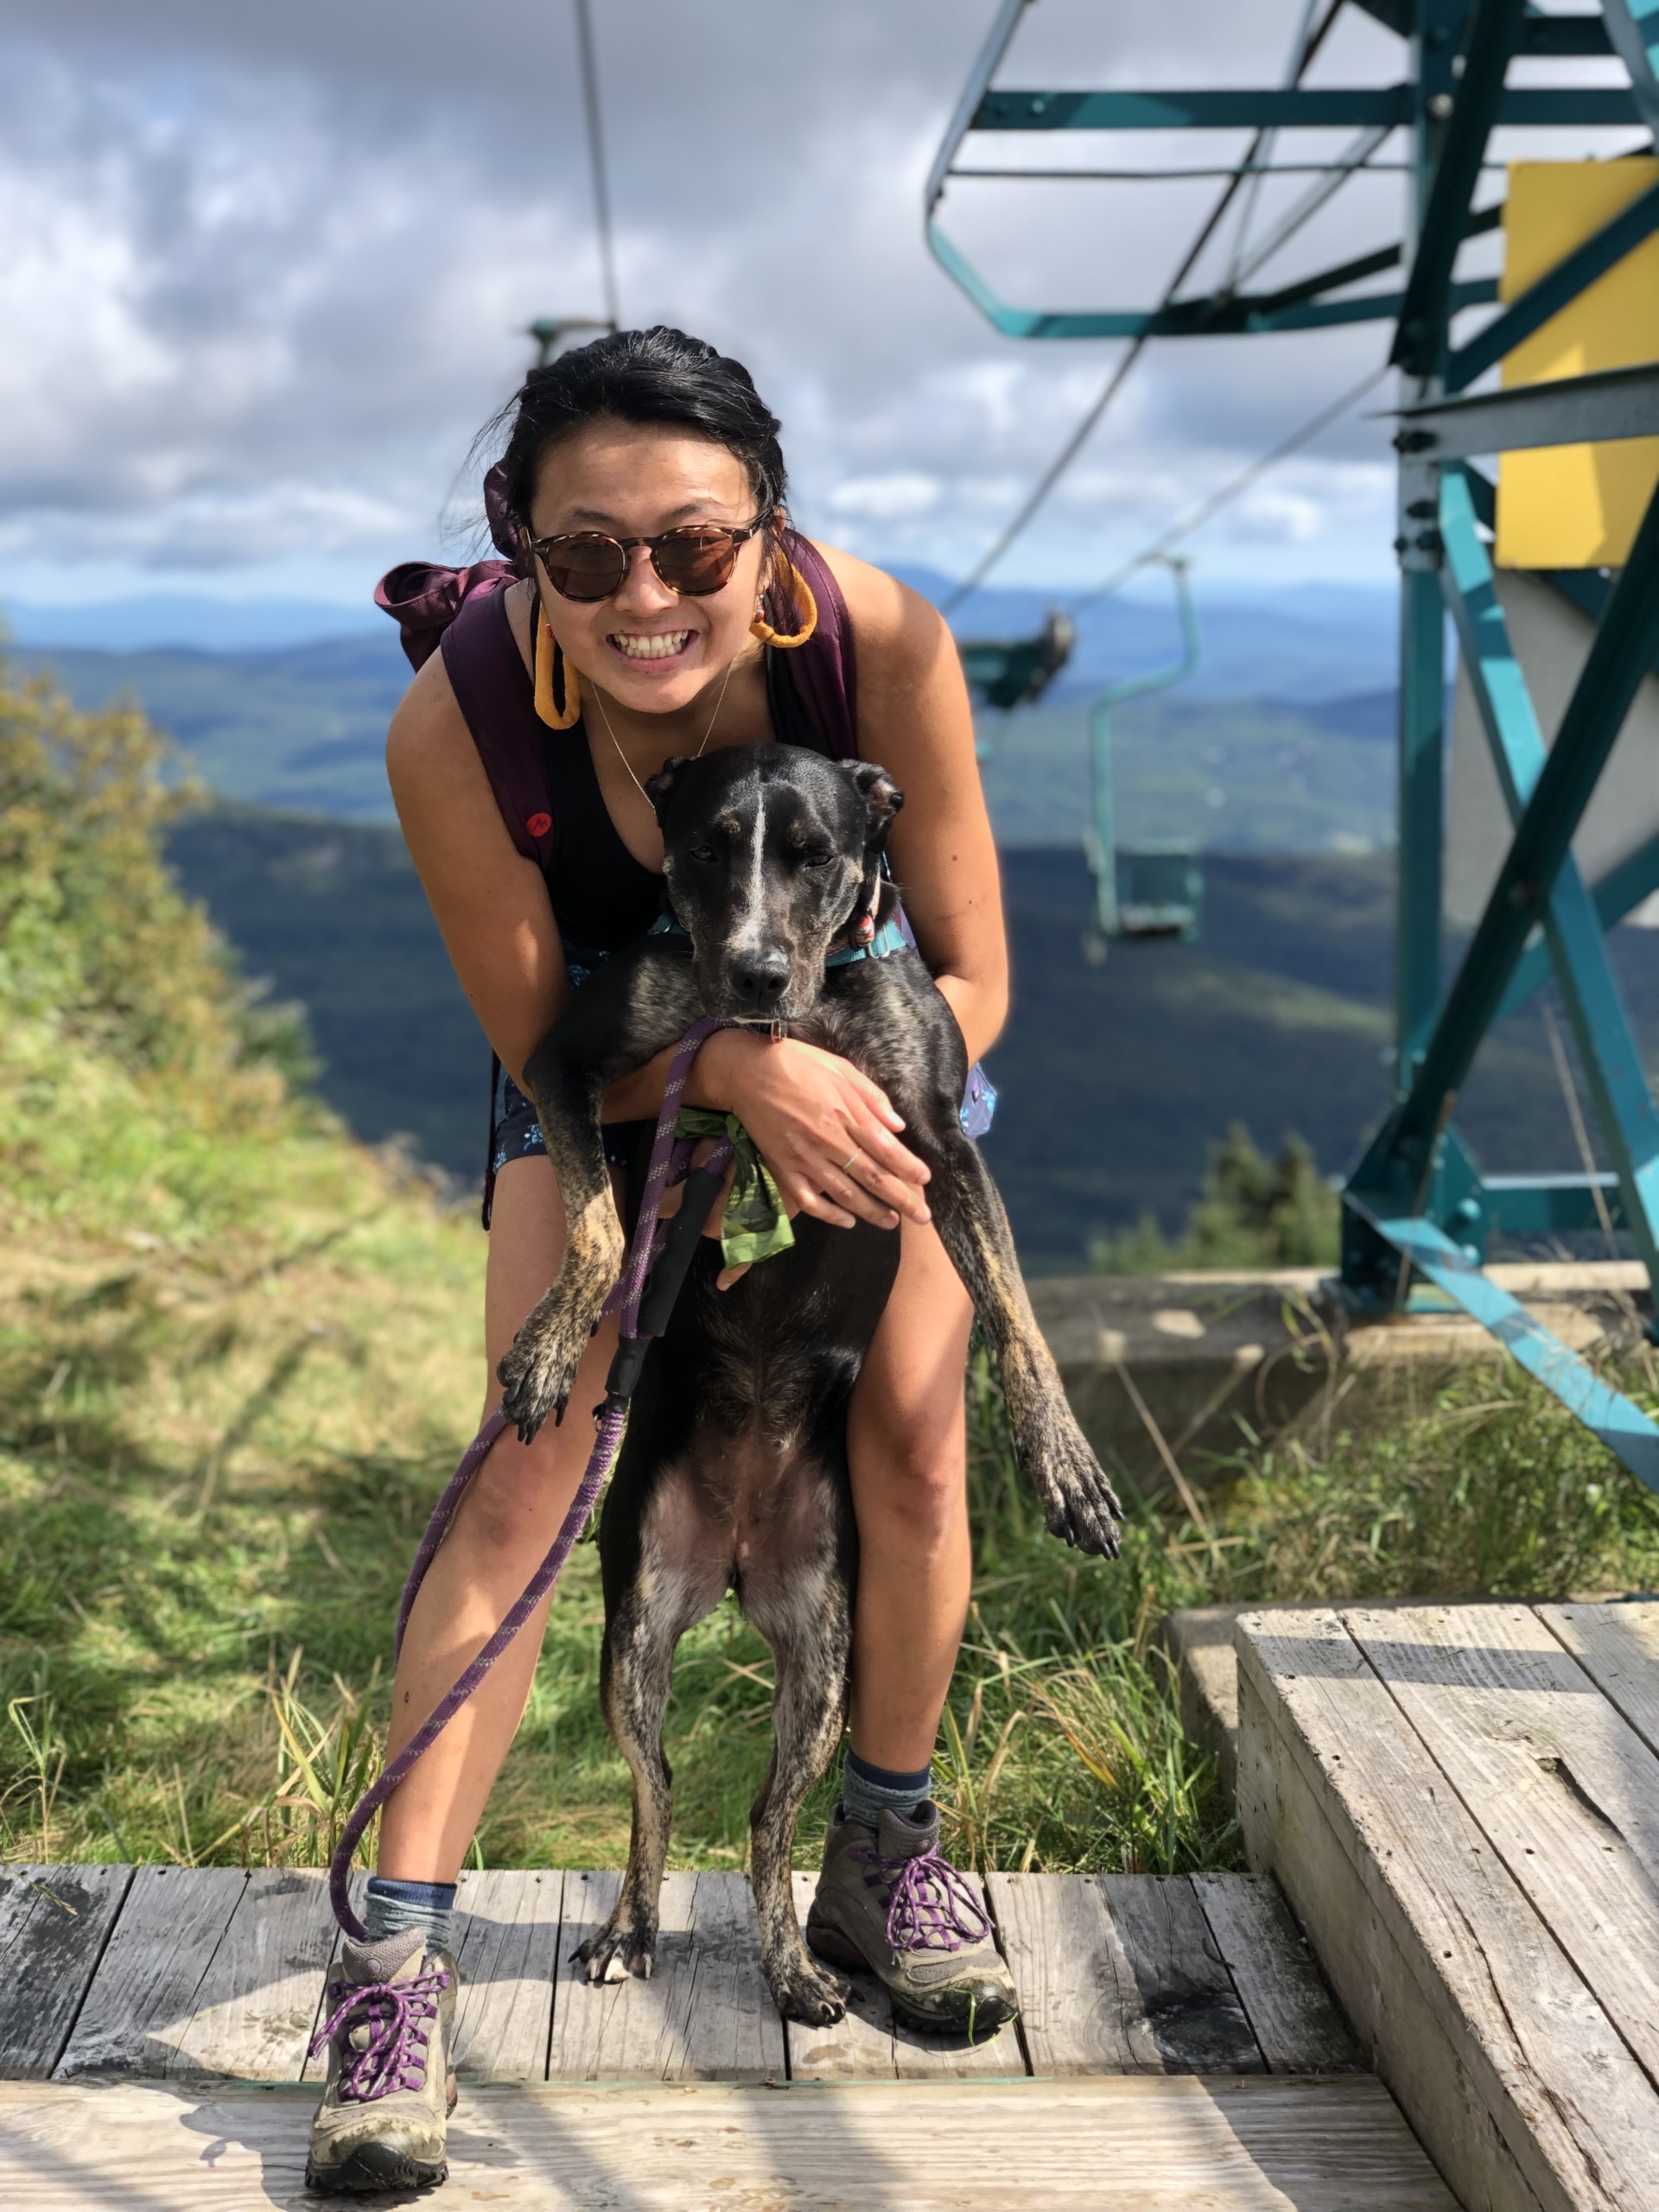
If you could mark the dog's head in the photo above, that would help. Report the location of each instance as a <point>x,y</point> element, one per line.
<point>771,855</point>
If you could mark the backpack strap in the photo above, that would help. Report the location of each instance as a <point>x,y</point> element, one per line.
<point>486,673</point>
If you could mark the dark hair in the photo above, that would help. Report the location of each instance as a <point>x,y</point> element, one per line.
<point>631,375</point>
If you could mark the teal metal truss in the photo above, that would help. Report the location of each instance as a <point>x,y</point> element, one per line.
<point>1416,1209</point>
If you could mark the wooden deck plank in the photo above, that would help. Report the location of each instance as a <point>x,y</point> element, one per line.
<point>143,1994</point>
<point>1068,1965</point>
<point>54,1923</point>
<point>1617,1646</point>
<point>705,2013</point>
<point>1566,1791</point>
<point>1181,2012</point>
<point>507,1933</point>
<point>1277,1975</point>
<point>1509,2071</point>
<point>859,2046</point>
<point>925,2057</point>
<point>733,2031</point>
<point>1140,2143</point>
<point>256,2003</point>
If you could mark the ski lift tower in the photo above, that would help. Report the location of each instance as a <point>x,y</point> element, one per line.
<point>1573,466</point>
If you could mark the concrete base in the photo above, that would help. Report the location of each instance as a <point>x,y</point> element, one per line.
<point>1189,1369</point>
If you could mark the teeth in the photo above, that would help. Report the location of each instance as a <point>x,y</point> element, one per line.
<point>658,648</point>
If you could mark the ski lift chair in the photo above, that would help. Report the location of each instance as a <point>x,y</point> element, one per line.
<point>1009,672</point>
<point>1150,891</point>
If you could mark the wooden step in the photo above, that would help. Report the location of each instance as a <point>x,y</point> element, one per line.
<point>1462,1803</point>
<point>1138,2143</point>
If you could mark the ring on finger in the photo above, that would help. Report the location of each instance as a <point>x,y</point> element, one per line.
<point>846,1164</point>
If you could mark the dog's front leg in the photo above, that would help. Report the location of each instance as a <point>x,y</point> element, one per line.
<point>1080,1505</point>
<point>637,1004</point>
<point>541,1362</point>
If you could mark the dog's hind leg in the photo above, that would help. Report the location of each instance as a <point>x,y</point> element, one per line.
<point>806,1617</point>
<point>636,1671</point>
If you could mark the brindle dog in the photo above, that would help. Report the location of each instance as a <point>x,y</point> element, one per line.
<point>733,1474</point>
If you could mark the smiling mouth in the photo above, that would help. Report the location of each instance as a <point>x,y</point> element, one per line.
<point>663,645</point>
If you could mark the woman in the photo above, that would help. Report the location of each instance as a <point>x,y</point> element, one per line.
<point>660,606</point>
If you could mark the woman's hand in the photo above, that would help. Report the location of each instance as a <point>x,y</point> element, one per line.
<point>829,1135</point>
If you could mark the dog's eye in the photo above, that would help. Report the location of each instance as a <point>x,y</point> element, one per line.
<point>703,853</point>
<point>817,860</point>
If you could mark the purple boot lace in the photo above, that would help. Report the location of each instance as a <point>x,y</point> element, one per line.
<point>930,1907</point>
<point>398,2016</point>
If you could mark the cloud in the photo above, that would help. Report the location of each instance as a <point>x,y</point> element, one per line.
<point>264,272</point>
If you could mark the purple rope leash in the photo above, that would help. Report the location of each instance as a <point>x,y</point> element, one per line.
<point>669,1160</point>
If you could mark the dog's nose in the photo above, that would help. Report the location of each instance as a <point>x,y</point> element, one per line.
<point>760,978</point>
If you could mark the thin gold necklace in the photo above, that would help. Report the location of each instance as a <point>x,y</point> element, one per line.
<point>599,700</point>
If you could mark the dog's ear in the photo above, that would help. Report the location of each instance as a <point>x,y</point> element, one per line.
<point>881,796</point>
<point>657,788</point>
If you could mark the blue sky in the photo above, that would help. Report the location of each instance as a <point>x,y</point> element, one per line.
<point>264,272</point>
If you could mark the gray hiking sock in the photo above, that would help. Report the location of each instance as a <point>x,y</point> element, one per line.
<point>394,1906</point>
<point>868,1791</point>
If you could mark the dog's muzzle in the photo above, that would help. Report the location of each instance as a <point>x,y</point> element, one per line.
<point>756,981</point>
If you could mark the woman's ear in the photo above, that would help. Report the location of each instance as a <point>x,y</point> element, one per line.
<point>881,796</point>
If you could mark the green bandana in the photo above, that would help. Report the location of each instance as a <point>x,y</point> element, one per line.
<point>755,1224</point>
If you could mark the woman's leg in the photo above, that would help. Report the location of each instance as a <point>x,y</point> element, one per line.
<point>906,1435</point>
<point>907,1451</point>
<point>506,1520</point>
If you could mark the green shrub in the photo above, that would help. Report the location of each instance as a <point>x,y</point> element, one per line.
<point>143,1088</point>
<point>1255,1212</point>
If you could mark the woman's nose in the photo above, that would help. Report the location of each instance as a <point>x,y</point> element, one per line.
<point>642,591</point>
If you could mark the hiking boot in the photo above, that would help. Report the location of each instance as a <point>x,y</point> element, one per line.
<point>889,1903</point>
<point>389,2011</point>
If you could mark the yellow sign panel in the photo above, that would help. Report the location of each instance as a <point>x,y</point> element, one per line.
<point>1577,506</point>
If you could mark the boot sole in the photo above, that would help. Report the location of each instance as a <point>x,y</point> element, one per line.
<point>375,2167</point>
<point>373,2170</point>
<point>979,2020</point>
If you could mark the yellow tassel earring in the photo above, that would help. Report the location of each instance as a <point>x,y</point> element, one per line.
<point>800,595</point>
<point>558,693</point>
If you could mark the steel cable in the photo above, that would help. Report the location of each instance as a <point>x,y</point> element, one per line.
<point>1122,369</point>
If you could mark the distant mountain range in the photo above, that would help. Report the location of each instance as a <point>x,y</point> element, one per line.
<point>1278,746</point>
<point>1113,1078</point>
<point>1306,642</point>
<point>187,620</point>
<point>1309,641</point>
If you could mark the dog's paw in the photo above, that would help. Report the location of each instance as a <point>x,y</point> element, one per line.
<point>540,1364</point>
<point>1080,1505</point>
<point>809,1993</point>
<point>620,1948</point>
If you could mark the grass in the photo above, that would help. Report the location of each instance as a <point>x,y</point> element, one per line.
<point>239,1357</point>
<point>213,1469</point>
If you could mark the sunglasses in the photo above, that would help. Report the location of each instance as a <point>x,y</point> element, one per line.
<point>585,564</point>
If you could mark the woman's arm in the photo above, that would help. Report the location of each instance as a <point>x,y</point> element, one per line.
<point>490,903</point>
<point>914,718</point>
